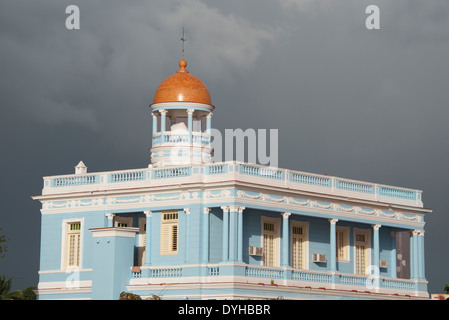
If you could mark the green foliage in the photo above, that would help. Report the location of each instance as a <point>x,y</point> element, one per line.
<point>3,247</point>
<point>446,289</point>
<point>6,294</point>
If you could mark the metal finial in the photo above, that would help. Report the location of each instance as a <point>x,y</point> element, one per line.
<point>183,40</point>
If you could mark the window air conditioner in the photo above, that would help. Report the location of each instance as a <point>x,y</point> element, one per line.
<point>383,263</point>
<point>317,257</point>
<point>255,251</point>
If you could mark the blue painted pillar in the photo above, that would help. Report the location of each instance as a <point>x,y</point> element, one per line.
<point>187,242</point>
<point>190,123</point>
<point>285,239</point>
<point>333,245</point>
<point>414,254</point>
<point>225,233</point>
<point>205,239</point>
<point>423,260</point>
<point>376,248</point>
<point>240,235</point>
<point>148,240</point>
<point>110,217</point>
<point>154,123</point>
<point>233,211</point>
<point>420,241</point>
<point>393,266</point>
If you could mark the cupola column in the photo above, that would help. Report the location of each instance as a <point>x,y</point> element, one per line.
<point>154,123</point>
<point>208,123</point>
<point>190,123</point>
<point>163,121</point>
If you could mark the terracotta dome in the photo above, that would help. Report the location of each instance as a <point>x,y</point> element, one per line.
<point>182,87</point>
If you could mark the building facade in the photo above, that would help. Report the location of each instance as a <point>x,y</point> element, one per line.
<point>189,228</point>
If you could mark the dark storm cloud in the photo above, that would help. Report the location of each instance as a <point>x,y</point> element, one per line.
<point>370,105</point>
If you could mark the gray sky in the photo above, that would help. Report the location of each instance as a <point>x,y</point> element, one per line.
<point>356,103</point>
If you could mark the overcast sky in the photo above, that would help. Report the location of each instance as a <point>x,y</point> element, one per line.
<point>364,104</point>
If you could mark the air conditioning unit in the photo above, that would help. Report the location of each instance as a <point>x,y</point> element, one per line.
<point>255,251</point>
<point>317,257</point>
<point>383,263</point>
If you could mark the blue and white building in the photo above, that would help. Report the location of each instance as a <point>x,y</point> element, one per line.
<point>188,228</point>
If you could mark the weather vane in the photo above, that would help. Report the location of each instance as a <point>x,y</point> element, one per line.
<point>183,40</point>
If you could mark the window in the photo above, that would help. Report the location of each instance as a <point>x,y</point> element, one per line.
<point>270,243</point>
<point>73,244</point>
<point>298,246</point>
<point>361,252</point>
<point>342,237</point>
<point>169,232</point>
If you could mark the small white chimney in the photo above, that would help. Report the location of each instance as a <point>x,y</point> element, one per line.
<point>80,168</point>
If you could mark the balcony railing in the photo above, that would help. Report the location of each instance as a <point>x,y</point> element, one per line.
<point>231,171</point>
<point>309,277</point>
<point>171,137</point>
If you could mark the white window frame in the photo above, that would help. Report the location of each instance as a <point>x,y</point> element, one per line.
<point>305,226</point>
<point>277,242</point>
<point>64,243</point>
<point>346,250</point>
<point>174,222</point>
<point>367,233</point>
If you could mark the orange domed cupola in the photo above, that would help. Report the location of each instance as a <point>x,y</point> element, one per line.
<point>182,87</point>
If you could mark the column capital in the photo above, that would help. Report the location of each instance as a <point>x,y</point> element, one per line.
<point>415,232</point>
<point>206,210</point>
<point>209,115</point>
<point>190,111</point>
<point>241,209</point>
<point>187,210</point>
<point>376,226</point>
<point>148,213</point>
<point>333,221</point>
<point>285,215</point>
<point>110,215</point>
<point>420,232</point>
<point>154,115</point>
<point>225,208</point>
<point>163,112</point>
